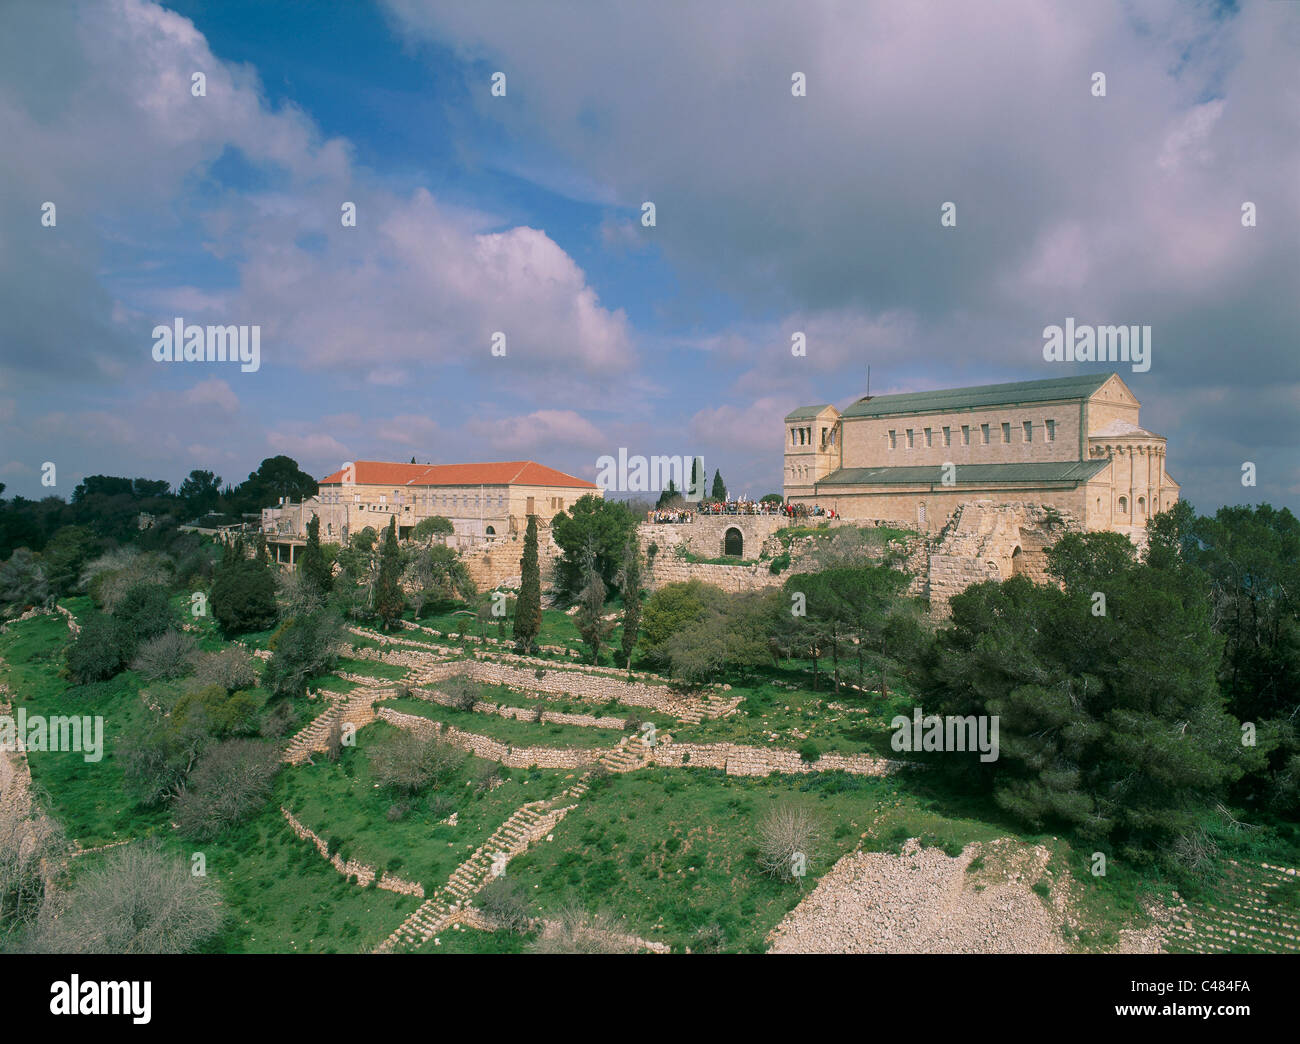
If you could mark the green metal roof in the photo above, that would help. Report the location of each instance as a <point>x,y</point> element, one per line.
<point>968,474</point>
<point>981,395</point>
<point>807,412</point>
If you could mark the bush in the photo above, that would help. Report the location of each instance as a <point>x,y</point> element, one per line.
<point>22,581</point>
<point>221,713</point>
<point>578,932</point>
<point>809,751</point>
<point>97,653</point>
<point>231,668</point>
<point>787,838</point>
<point>139,901</point>
<point>464,693</point>
<point>144,613</point>
<point>231,782</point>
<point>407,763</point>
<point>502,900</point>
<point>170,655</point>
<point>305,648</point>
<point>243,593</point>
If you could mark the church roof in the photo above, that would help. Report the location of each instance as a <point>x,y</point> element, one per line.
<point>1079,387</point>
<point>505,473</point>
<point>807,412</point>
<point>968,474</point>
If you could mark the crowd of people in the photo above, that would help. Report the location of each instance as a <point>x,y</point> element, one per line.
<point>676,515</point>
<point>739,507</point>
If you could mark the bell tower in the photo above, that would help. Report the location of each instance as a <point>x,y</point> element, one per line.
<point>813,445</point>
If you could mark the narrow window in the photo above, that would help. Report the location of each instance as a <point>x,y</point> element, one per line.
<point>893,439</point>
<point>947,436</point>
<point>984,434</point>
<point>910,439</point>
<point>929,438</point>
<point>1029,431</point>
<point>1006,432</point>
<point>1051,430</point>
<point>965,434</point>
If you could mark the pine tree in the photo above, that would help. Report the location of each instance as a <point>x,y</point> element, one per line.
<point>315,570</point>
<point>630,588</point>
<point>719,491</point>
<point>389,599</point>
<point>528,607</point>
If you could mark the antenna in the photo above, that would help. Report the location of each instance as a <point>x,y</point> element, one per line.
<point>868,381</point>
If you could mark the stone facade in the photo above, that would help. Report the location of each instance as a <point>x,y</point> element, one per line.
<point>486,503</point>
<point>1072,443</point>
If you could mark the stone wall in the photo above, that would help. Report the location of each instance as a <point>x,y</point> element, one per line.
<point>989,540</point>
<point>488,748</point>
<point>363,872</point>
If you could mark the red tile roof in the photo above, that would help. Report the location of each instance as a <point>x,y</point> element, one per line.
<point>514,472</point>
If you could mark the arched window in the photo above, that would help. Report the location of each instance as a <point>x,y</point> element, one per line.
<point>1142,506</point>
<point>733,543</point>
<point>1123,505</point>
<point>491,531</point>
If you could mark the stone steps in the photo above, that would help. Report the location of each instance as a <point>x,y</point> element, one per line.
<point>524,826</point>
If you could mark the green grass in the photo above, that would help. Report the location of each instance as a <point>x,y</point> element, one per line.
<point>672,853</point>
<point>509,731</point>
<point>341,803</point>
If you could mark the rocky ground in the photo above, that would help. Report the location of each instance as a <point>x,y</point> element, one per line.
<point>923,901</point>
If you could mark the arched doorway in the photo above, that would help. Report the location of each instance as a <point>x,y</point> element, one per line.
<point>1017,562</point>
<point>733,543</point>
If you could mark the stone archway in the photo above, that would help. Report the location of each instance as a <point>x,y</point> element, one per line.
<point>1018,565</point>
<point>733,543</point>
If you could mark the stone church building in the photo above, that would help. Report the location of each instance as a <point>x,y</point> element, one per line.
<point>1070,443</point>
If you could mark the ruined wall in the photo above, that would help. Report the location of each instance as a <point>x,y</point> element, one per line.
<point>990,540</point>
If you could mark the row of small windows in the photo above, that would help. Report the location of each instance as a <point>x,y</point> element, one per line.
<point>430,500</point>
<point>804,437</point>
<point>985,434</point>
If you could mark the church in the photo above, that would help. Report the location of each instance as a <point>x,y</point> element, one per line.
<point>1071,443</point>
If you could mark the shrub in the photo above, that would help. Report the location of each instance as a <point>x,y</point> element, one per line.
<point>22,581</point>
<point>408,763</point>
<point>144,613</point>
<point>97,653</point>
<point>787,838</point>
<point>140,900</point>
<point>168,656</point>
<point>231,668</point>
<point>502,900</point>
<point>579,932</point>
<point>809,751</point>
<point>464,693</point>
<point>231,782</point>
<point>306,647</point>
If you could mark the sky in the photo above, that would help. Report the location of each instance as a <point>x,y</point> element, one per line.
<point>522,213</point>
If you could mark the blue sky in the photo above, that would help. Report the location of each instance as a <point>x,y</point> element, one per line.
<point>521,214</point>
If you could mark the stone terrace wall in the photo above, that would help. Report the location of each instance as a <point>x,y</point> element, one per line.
<point>736,760</point>
<point>363,872</point>
<point>490,749</point>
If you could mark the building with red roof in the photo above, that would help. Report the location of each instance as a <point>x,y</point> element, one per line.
<point>485,502</point>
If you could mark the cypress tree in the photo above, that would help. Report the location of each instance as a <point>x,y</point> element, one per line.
<point>315,570</point>
<point>389,599</point>
<point>528,607</point>
<point>631,592</point>
<point>719,491</point>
